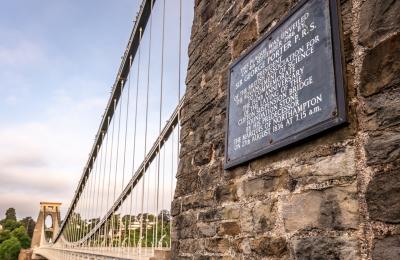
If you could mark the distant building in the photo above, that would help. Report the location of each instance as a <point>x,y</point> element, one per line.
<point>1,227</point>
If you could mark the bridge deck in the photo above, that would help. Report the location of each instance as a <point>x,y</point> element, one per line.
<point>103,253</point>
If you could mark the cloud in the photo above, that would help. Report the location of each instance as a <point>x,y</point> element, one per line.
<point>11,100</point>
<point>20,53</point>
<point>43,160</point>
<point>42,157</point>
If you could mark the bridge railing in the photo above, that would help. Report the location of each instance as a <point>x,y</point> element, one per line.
<point>123,200</point>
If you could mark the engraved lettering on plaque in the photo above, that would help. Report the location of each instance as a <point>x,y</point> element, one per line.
<point>289,86</point>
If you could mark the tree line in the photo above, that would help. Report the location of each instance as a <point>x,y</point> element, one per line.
<point>15,235</point>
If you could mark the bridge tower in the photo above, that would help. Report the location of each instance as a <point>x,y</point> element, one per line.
<point>42,234</point>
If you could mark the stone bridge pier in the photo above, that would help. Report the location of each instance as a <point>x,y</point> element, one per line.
<point>335,195</point>
<point>44,234</point>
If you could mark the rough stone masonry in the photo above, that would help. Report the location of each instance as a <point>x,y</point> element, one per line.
<point>335,196</point>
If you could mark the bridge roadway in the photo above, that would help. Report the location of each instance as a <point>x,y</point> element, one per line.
<point>100,253</point>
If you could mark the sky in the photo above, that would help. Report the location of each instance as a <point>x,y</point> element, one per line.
<point>58,61</point>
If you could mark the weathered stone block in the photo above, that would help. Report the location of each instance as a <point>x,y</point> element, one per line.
<point>211,257</point>
<point>176,207</point>
<point>326,248</point>
<point>239,21</point>
<point>270,246</point>
<point>185,225</point>
<point>230,228</point>
<point>181,257</point>
<point>218,147</point>
<point>217,245</point>
<point>275,9</point>
<point>190,245</point>
<point>188,232</point>
<point>242,246</point>
<point>325,168</point>
<point>243,40</point>
<point>383,197</point>
<point>185,220</point>
<point>266,182</point>
<point>387,248</point>
<point>185,167</point>
<point>382,110</point>
<point>206,55</point>
<point>202,155</point>
<point>334,208</point>
<point>381,67</point>
<point>236,172</point>
<point>207,229</point>
<point>188,183</point>
<point>257,4</point>
<point>264,215</point>
<point>210,215</point>
<point>258,186</point>
<point>227,192</point>
<point>246,219</point>
<point>199,101</point>
<point>198,200</point>
<point>206,10</point>
<point>192,141</point>
<point>377,19</point>
<point>230,212</point>
<point>383,148</point>
<point>210,176</point>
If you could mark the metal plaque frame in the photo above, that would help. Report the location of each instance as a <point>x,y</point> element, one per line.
<point>339,117</point>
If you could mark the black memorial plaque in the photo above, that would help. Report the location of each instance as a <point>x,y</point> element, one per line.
<point>287,87</point>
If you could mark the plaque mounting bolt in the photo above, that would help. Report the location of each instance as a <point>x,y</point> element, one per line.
<point>334,113</point>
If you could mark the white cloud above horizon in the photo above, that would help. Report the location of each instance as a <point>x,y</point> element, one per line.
<point>56,71</point>
<point>46,157</point>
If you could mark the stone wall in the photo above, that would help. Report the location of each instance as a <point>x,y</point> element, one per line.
<point>336,196</point>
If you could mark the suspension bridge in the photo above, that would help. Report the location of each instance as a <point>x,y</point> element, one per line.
<point>122,203</point>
